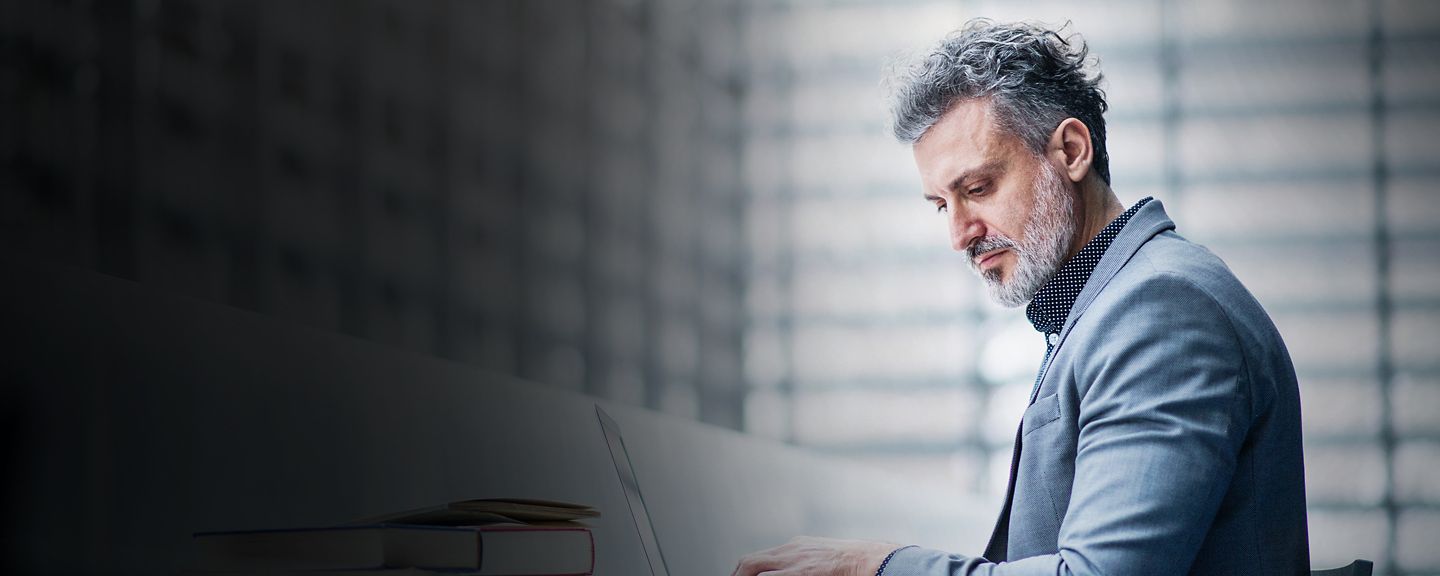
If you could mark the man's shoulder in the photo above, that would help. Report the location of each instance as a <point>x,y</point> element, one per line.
<point>1168,262</point>
<point>1170,254</point>
<point>1174,277</point>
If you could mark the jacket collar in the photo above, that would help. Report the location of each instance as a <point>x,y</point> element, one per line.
<point>1150,220</point>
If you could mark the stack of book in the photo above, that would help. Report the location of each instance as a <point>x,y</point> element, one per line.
<point>489,537</point>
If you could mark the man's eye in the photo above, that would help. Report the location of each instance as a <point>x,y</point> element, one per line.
<point>976,191</point>
<point>940,207</point>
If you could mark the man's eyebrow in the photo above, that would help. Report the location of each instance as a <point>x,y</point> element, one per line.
<point>959,181</point>
<point>981,170</point>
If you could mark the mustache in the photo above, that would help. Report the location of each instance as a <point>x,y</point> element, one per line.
<point>987,244</point>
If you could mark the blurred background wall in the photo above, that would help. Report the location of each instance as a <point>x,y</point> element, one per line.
<point>542,188</point>
<point>693,206</point>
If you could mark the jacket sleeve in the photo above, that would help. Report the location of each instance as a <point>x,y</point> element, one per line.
<point>1163,412</point>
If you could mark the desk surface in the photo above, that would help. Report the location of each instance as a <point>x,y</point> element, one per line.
<point>135,418</point>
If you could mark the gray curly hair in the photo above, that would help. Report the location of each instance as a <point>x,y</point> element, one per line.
<point>1034,77</point>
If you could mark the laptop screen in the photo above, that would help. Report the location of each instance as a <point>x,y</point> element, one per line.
<point>632,493</point>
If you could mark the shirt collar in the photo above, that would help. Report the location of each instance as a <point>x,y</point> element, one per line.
<point>1051,305</point>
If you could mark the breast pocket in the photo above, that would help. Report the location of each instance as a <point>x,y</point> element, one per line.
<point>1042,413</point>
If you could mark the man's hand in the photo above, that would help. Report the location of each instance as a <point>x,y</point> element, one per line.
<point>806,556</point>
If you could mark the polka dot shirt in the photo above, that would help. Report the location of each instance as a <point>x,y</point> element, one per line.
<point>1051,305</point>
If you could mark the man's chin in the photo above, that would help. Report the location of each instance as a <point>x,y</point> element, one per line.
<point>1005,295</point>
<point>1010,303</point>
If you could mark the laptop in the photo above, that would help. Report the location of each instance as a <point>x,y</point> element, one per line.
<point>632,493</point>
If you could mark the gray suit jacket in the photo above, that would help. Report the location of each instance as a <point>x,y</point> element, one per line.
<point>1164,435</point>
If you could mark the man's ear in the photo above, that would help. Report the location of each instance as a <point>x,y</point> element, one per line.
<point>1070,144</point>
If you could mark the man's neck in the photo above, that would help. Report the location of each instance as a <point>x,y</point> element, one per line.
<point>1095,207</point>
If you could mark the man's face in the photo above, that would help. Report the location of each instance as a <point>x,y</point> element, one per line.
<point>1010,212</point>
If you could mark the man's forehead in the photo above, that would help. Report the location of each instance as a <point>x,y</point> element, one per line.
<point>966,138</point>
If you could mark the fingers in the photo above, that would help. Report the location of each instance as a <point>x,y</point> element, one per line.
<point>801,556</point>
<point>769,561</point>
<point>757,563</point>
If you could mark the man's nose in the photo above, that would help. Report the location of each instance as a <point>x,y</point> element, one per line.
<point>964,230</point>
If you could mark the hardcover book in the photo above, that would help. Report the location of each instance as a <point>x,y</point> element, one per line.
<point>493,550</point>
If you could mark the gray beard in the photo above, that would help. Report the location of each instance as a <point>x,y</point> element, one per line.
<point>1047,240</point>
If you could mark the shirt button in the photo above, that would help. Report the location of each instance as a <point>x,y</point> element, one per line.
<point>1053,339</point>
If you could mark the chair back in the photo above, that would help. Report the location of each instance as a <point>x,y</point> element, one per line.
<point>1356,568</point>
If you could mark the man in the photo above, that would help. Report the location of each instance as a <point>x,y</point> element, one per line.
<point>1163,432</point>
